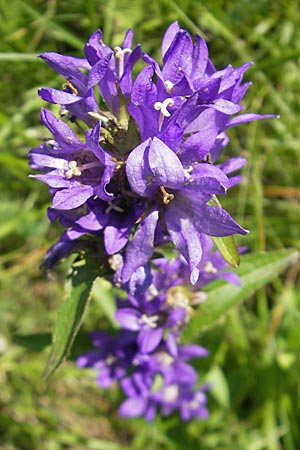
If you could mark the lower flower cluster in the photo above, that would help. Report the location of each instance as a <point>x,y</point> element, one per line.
<point>147,356</point>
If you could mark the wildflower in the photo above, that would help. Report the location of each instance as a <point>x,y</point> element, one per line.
<point>146,170</point>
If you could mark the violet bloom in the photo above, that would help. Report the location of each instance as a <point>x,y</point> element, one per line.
<point>211,267</point>
<point>144,174</point>
<point>112,356</point>
<point>150,319</point>
<point>166,382</point>
<point>109,69</point>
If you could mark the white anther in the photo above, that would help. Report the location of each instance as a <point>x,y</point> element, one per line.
<point>171,393</point>
<point>98,116</point>
<point>169,86</point>
<point>153,292</point>
<point>120,52</point>
<point>151,321</point>
<point>164,358</point>
<point>197,400</point>
<point>110,360</point>
<point>210,268</point>
<point>112,206</point>
<point>177,298</point>
<point>74,170</point>
<point>120,55</point>
<point>51,142</point>
<point>162,106</point>
<point>187,173</point>
<point>115,261</point>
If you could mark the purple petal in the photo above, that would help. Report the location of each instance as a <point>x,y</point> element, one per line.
<point>40,161</point>
<point>133,407</point>
<point>185,238</point>
<point>208,179</point>
<point>72,198</point>
<point>137,168</point>
<point>149,339</point>
<point>127,42</point>
<point>169,36</point>
<point>178,58</point>
<point>98,71</point>
<point>185,373</point>
<point>126,80</point>
<point>108,89</point>
<point>128,318</point>
<point>208,89</point>
<point>200,57</point>
<point>172,136</point>
<point>165,165</point>
<point>209,120</point>
<point>210,220</point>
<point>68,67</point>
<point>232,164</point>
<point>58,97</point>
<point>116,236</point>
<point>140,249</point>
<point>193,351</point>
<point>53,179</point>
<point>225,106</point>
<point>61,131</point>
<point>244,118</point>
<point>143,89</point>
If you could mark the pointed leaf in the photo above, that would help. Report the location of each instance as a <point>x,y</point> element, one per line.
<point>70,313</point>
<point>228,249</point>
<point>255,272</point>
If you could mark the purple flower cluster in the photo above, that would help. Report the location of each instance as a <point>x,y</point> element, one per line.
<point>145,170</point>
<point>146,356</point>
<point>131,166</point>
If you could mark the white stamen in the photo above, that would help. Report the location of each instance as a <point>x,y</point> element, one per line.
<point>76,171</point>
<point>51,142</point>
<point>98,116</point>
<point>112,206</point>
<point>171,393</point>
<point>210,268</point>
<point>197,400</point>
<point>120,55</point>
<point>162,107</point>
<point>169,86</point>
<point>110,360</point>
<point>164,358</point>
<point>153,292</point>
<point>187,172</point>
<point>115,261</point>
<point>151,321</point>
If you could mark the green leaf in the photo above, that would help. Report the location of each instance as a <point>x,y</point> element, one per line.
<point>104,295</point>
<point>226,244</point>
<point>255,272</point>
<point>79,284</point>
<point>219,386</point>
<point>34,341</point>
<point>228,249</point>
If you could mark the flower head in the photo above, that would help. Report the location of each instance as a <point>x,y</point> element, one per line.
<point>144,173</point>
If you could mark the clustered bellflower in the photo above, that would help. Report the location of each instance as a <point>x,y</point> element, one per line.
<point>146,356</point>
<point>132,166</point>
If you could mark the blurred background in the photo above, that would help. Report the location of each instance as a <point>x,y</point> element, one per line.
<point>254,351</point>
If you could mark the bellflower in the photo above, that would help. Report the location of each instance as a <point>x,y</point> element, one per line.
<point>144,173</point>
<point>147,357</point>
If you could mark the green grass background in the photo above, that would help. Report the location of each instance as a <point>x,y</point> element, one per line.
<point>254,363</point>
